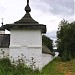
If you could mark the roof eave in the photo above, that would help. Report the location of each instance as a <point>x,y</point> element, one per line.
<point>26,27</point>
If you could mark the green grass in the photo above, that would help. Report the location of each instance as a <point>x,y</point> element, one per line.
<point>56,67</point>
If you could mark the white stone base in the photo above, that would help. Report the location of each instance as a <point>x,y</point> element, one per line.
<point>27,53</point>
<point>46,58</point>
<point>32,55</point>
<point>4,52</point>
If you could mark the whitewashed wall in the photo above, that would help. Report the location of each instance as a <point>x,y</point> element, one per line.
<point>26,37</point>
<point>27,43</point>
<point>4,52</point>
<point>2,32</point>
<point>46,58</point>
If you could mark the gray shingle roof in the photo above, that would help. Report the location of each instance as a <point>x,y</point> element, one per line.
<point>2,28</point>
<point>4,40</point>
<point>46,50</point>
<point>26,22</point>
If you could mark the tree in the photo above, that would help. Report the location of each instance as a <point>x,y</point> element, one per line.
<point>66,40</point>
<point>72,42</point>
<point>47,41</point>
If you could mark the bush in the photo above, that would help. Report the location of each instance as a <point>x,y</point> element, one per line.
<point>5,61</point>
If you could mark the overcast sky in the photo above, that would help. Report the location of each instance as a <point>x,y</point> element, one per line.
<point>48,12</point>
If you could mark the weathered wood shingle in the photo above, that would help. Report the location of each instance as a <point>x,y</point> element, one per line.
<point>4,40</point>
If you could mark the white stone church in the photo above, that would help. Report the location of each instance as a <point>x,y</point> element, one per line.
<point>25,41</point>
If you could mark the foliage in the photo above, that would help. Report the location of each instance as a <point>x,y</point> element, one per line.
<point>47,41</point>
<point>6,68</point>
<point>5,61</point>
<point>66,40</point>
<point>55,67</point>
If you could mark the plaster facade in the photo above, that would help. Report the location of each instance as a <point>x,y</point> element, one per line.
<point>2,32</point>
<point>26,43</point>
<point>4,52</point>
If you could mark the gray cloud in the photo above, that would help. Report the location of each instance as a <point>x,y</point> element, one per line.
<point>56,7</point>
<point>64,8</point>
<point>61,7</point>
<point>40,5</point>
<point>52,34</point>
<point>2,9</point>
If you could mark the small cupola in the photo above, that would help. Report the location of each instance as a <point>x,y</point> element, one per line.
<point>26,22</point>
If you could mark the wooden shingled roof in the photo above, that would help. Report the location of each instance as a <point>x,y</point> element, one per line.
<point>26,22</point>
<point>46,50</point>
<point>2,28</point>
<point>4,40</point>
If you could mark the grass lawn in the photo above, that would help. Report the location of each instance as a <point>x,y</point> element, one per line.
<point>56,67</point>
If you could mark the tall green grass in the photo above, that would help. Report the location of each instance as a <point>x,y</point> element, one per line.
<point>55,67</point>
